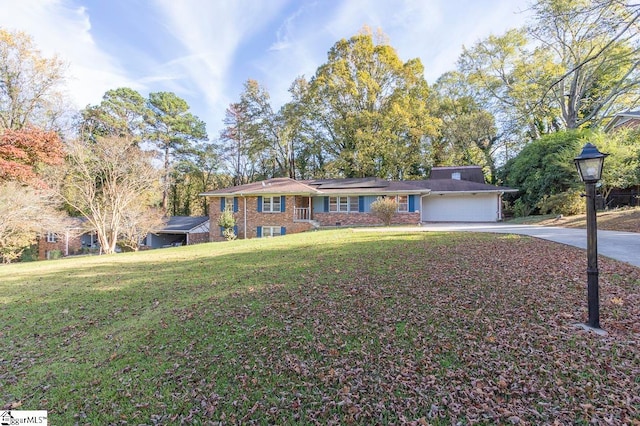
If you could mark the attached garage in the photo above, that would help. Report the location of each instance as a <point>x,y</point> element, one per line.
<point>459,194</point>
<point>461,207</point>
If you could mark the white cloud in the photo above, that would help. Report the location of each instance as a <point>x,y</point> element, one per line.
<point>440,45</point>
<point>432,30</point>
<point>211,34</point>
<point>66,31</point>
<point>284,33</point>
<point>301,46</point>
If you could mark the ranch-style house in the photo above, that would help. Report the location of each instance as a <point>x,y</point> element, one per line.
<point>282,205</point>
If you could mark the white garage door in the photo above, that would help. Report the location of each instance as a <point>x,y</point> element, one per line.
<point>460,208</point>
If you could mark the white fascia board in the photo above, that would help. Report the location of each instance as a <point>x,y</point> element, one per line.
<point>365,194</point>
<point>463,192</point>
<point>257,194</point>
<point>498,191</point>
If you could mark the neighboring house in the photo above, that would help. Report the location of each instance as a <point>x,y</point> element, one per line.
<point>282,205</point>
<point>624,197</point>
<point>75,239</point>
<point>627,119</point>
<point>179,231</point>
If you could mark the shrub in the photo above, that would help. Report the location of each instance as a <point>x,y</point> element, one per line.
<point>521,209</point>
<point>29,254</point>
<point>227,221</point>
<point>55,254</point>
<point>545,167</point>
<point>228,234</point>
<point>566,203</point>
<point>126,246</point>
<point>384,209</point>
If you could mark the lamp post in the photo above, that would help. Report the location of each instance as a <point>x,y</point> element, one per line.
<point>589,164</point>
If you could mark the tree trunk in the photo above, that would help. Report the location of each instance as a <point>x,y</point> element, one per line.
<point>103,240</point>
<point>165,184</point>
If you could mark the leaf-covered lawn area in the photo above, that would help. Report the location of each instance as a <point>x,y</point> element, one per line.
<point>624,219</point>
<point>330,327</point>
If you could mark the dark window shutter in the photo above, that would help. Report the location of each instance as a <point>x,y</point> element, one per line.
<point>412,203</point>
<point>283,231</point>
<point>235,204</point>
<point>222,201</point>
<point>259,231</point>
<point>222,231</point>
<point>235,230</point>
<point>361,203</point>
<point>326,204</point>
<point>260,206</point>
<point>283,201</point>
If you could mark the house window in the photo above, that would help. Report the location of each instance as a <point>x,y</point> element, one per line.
<point>271,204</point>
<point>51,237</point>
<point>333,204</point>
<point>271,231</point>
<point>353,204</point>
<point>403,203</point>
<point>228,203</point>
<point>343,204</point>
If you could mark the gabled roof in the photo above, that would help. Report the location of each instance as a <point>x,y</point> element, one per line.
<point>269,186</point>
<point>623,119</point>
<point>182,224</point>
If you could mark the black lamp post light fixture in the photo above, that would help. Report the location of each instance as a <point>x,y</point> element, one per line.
<point>589,164</point>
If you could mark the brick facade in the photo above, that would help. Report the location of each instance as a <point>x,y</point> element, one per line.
<point>198,238</point>
<point>66,247</point>
<point>286,219</point>
<point>255,218</point>
<point>355,219</point>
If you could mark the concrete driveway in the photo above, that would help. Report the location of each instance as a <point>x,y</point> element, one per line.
<point>624,246</point>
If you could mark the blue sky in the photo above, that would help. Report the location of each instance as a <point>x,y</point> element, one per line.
<point>204,50</point>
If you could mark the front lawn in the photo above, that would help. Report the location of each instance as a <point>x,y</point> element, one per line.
<point>330,327</point>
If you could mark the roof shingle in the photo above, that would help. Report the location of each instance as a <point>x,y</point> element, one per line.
<point>269,186</point>
<point>372,186</point>
<point>183,223</point>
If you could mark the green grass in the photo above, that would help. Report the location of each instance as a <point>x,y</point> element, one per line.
<point>331,327</point>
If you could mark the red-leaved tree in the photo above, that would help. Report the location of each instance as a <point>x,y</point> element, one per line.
<point>23,151</point>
